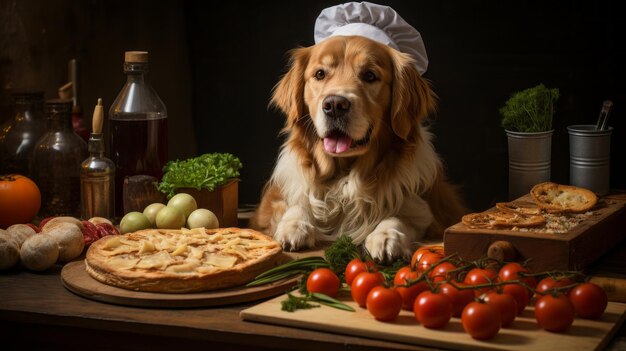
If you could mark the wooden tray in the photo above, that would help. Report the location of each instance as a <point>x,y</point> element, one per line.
<point>573,250</point>
<point>524,334</point>
<point>76,279</point>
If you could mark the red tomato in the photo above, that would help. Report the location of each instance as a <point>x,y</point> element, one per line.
<point>20,200</point>
<point>384,303</point>
<point>433,310</point>
<point>363,284</point>
<point>505,303</point>
<point>555,314</point>
<point>481,321</point>
<point>459,298</point>
<point>408,293</point>
<point>589,300</point>
<point>439,273</point>
<point>357,266</point>
<point>520,294</point>
<point>323,280</point>
<point>510,271</point>
<point>425,256</point>
<point>478,276</point>
<point>548,283</point>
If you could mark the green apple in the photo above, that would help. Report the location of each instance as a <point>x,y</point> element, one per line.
<point>151,211</point>
<point>202,218</point>
<point>184,202</point>
<point>134,221</point>
<point>170,217</point>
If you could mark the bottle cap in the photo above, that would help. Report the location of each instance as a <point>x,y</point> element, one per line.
<point>136,56</point>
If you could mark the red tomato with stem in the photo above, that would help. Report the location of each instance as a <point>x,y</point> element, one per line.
<point>459,298</point>
<point>408,293</point>
<point>589,300</point>
<point>384,303</point>
<point>357,266</point>
<point>478,276</point>
<point>323,280</point>
<point>425,256</point>
<point>363,284</point>
<point>555,314</point>
<point>520,294</point>
<point>549,283</point>
<point>505,303</point>
<point>511,271</point>
<point>439,273</point>
<point>481,321</point>
<point>433,310</point>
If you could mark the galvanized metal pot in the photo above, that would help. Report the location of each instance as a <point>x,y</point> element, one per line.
<point>589,157</point>
<point>529,160</point>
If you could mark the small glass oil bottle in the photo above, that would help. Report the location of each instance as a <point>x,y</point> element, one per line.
<point>97,175</point>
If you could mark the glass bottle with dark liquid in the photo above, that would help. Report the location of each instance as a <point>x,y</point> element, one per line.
<point>138,129</point>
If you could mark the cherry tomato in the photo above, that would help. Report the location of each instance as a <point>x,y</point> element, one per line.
<point>548,283</point>
<point>433,310</point>
<point>481,321</point>
<point>384,303</point>
<point>459,298</point>
<point>555,314</point>
<point>439,273</point>
<point>357,266</point>
<point>589,300</point>
<point>323,280</point>
<point>363,284</point>
<point>505,303</point>
<point>510,271</point>
<point>478,276</point>
<point>20,200</point>
<point>408,293</point>
<point>426,256</point>
<point>520,294</point>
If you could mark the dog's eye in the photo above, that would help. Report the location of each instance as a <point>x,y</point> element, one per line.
<point>369,77</point>
<point>320,74</point>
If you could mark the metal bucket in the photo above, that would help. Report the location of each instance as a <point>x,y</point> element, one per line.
<point>589,157</point>
<point>529,161</point>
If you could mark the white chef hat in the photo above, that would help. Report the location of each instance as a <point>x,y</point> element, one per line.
<point>373,21</point>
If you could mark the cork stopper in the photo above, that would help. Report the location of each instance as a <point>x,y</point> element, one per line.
<point>98,116</point>
<point>136,56</point>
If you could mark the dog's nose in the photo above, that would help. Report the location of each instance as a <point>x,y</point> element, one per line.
<point>335,106</point>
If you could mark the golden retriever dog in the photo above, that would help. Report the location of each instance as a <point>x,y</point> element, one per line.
<point>358,159</point>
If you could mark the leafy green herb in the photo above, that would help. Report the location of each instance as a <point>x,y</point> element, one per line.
<point>530,110</point>
<point>340,253</point>
<point>296,303</point>
<point>203,172</point>
<point>303,265</point>
<point>293,303</point>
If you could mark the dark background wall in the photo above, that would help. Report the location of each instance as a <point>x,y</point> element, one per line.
<point>214,65</point>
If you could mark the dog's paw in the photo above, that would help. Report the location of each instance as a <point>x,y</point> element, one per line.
<point>294,232</point>
<point>389,241</point>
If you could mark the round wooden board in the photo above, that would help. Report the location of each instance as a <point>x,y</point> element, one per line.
<point>76,279</point>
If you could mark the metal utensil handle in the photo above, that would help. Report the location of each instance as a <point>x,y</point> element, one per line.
<point>604,114</point>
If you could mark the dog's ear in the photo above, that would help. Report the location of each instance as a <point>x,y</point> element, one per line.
<point>288,94</point>
<point>412,98</point>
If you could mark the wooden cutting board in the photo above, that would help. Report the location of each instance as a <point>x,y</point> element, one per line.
<point>524,334</point>
<point>573,250</point>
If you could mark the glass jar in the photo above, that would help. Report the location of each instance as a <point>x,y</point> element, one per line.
<point>57,161</point>
<point>138,129</point>
<point>19,135</point>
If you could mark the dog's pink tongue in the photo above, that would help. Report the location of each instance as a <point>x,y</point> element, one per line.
<point>337,144</point>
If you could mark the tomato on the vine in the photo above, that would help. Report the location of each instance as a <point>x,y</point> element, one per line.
<point>520,294</point>
<point>433,310</point>
<point>408,293</point>
<point>478,276</point>
<point>549,283</point>
<point>459,298</point>
<point>440,272</point>
<point>481,321</point>
<point>384,303</point>
<point>357,266</point>
<point>505,303</point>
<point>589,300</point>
<point>555,314</point>
<point>426,256</point>
<point>512,270</point>
<point>363,284</point>
<point>20,200</point>
<point>323,280</point>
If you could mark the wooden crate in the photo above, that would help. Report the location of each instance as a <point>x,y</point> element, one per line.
<point>223,201</point>
<point>573,250</point>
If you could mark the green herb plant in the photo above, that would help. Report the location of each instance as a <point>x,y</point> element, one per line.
<point>530,110</point>
<point>207,171</point>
